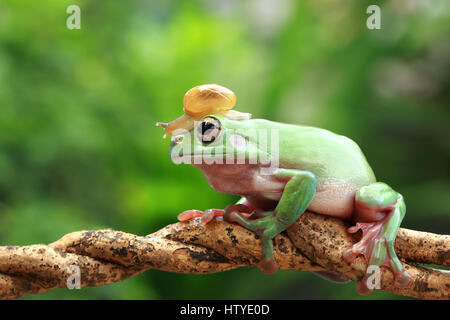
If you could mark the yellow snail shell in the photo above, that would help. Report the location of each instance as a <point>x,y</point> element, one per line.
<point>208,98</point>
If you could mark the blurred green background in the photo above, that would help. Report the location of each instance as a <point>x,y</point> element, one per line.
<point>79,148</point>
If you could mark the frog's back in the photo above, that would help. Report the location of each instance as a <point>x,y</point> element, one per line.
<point>331,157</point>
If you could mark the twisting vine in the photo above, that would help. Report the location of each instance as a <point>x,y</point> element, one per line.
<point>313,243</point>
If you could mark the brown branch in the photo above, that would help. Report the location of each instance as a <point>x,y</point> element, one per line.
<point>314,243</point>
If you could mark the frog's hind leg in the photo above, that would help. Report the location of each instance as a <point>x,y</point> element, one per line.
<point>379,212</point>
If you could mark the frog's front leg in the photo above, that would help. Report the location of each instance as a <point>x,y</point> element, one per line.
<point>297,195</point>
<point>379,210</point>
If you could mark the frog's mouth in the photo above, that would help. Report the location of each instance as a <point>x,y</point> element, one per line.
<point>182,157</point>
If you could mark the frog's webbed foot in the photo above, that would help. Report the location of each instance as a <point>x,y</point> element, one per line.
<point>377,243</point>
<point>378,251</point>
<point>266,226</point>
<point>206,216</point>
<point>261,223</point>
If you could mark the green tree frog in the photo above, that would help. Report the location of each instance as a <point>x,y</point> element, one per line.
<point>280,170</point>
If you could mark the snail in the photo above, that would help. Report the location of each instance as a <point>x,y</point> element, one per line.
<point>202,100</point>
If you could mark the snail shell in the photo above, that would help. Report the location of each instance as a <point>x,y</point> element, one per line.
<point>208,98</point>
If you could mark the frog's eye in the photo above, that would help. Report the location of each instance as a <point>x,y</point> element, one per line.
<point>209,129</point>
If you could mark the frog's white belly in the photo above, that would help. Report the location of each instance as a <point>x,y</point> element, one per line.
<point>333,198</point>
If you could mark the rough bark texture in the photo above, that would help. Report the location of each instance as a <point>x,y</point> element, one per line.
<point>313,243</point>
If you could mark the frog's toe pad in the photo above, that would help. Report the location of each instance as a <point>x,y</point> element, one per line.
<point>349,255</point>
<point>403,279</point>
<point>362,288</point>
<point>189,215</point>
<point>268,266</point>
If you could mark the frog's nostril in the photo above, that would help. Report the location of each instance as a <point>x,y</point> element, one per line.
<point>178,139</point>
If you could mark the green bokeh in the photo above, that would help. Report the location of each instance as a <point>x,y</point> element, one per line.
<point>79,148</point>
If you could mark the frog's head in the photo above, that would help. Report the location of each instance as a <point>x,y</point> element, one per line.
<point>209,130</point>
